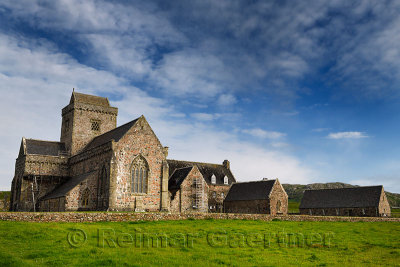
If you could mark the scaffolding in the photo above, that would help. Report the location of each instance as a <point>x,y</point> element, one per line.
<point>198,199</point>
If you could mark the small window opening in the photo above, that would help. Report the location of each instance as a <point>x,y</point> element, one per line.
<point>213,179</point>
<point>95,126</point>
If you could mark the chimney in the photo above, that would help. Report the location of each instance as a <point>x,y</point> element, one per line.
<point>165,150</point>
<point>227,164</point>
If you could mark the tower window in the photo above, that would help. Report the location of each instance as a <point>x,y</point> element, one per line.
<point>95,125</point>
<point>225,180</point>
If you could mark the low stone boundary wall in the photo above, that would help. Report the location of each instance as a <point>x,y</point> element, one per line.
<point>126,216</point>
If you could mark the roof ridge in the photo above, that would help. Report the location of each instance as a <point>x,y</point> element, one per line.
<point>116,128</point>
<point>255,181</point>
<point>45,140</point>
<point>354,187</point>
<point>196,162</point>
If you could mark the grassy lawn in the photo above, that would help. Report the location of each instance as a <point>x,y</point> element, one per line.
<point>200,243</point>
<point>395,213</point>
<point>293,206</point>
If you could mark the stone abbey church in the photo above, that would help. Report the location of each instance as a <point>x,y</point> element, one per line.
<point>98,166</point>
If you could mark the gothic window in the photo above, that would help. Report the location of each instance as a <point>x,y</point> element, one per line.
<point>95,125</point>
<point>102,195</point>
<point>213,179</point>
<point>139,175</point>
<point>278,206</point>
<point>85,198</point>
<point>225,180</point>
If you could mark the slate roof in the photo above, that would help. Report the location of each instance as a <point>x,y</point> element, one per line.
<point>256,190</point>
<point>367,196</point>
<point>178,176</point>
<point>89,99</point>
<point>206,169</point>
<point>115,134</point>
<point>40,147</point>
<point>64,188</point>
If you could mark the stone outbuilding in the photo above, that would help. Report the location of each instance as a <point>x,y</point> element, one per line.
<point>198,186</point>
<point>356,201</point>
<point>262,197</point>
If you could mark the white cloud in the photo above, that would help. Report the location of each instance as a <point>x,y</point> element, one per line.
<point>320,130</point>
<point>37,82</point>
<point>204,116</point>
<point>257,132</point>
<point>347,135</point>
<point>227,99</point>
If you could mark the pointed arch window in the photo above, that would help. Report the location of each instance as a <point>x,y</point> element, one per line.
<point>85,198</point>
<point>102,189</point>
<point>226,180</point>
<point>278,206</point>
<point>213,179</point>
<point>139,175</point>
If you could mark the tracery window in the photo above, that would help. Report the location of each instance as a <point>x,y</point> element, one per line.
<point>139,175</point>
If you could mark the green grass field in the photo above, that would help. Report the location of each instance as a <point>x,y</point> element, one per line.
<point>200,243</point>
<point>396,213</point>
<point>293,206</point>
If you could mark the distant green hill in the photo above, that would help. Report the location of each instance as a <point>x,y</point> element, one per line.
<point>295,191</point>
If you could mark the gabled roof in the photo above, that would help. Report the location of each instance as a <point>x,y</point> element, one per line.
<point>178,177</point>
<point>63,189</point>
<point>206,169</point>
<point>115,134</point>
<point>47,148</point>
<point>89,99</point>
<point>256,190</point>
<point>367,196</point>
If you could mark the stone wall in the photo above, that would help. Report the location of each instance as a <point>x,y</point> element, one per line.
<point>361,212</point>
<point>247,206</point>
<point>80,117</point>
<point>158,216</point>
<point>384,207</point>
<point>92,163</point>
<point>141,141</point>
<point>278,200</point>
<point>216,200</point>
<point>46,165</point>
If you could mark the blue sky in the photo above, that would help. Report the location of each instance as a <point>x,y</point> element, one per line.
<point>300,91</point>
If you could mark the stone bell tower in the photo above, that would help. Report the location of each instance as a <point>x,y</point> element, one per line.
<point>85,117</point>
